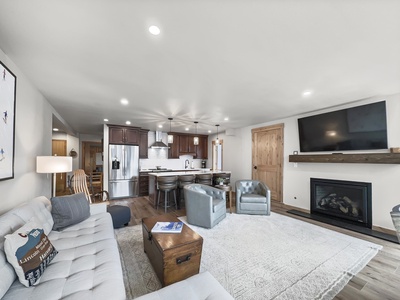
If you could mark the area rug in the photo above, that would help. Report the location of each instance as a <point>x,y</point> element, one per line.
<point>260,257</point>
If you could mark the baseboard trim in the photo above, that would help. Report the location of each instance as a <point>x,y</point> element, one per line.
<point>363,230</point>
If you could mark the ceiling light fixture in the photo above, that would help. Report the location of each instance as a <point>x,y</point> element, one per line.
<point>105,120</point>
<point>55,129</point>
<point>128,122</point>
<point>170,136</point>
<point>307,93</point>
<point>154,30</point>
<point>124,101</point>
<point>217,141</point>
<point>196,138</point>
<point>226,119</point>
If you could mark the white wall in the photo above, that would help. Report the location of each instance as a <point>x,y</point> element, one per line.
<point>385,179</point>
<point>33,134</point>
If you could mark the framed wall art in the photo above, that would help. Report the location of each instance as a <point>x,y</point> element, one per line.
<point>8,88</point>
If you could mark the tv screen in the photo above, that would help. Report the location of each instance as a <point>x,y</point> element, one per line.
<point>357,128</point>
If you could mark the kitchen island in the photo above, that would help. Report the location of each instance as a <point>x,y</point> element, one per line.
<point>153,180</point>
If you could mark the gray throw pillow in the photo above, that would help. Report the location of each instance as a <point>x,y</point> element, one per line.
<point>69,210</point>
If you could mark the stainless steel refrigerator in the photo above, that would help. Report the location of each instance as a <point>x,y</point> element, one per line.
<point>123,171</point>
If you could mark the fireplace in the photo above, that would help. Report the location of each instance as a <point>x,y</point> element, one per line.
<point>347,201</point>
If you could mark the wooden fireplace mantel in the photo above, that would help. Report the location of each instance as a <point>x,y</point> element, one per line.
<point>360,158</point>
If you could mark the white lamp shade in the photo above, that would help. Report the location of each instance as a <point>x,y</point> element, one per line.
<point>196,140</point>
<point>170,139</point>
<point>53,164</point>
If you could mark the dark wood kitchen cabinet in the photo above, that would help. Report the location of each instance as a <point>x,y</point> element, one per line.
<point>143,184</point>
<point>124,135</point>
<point>143,145</point>
<point>173,151</point>
<point>202,148</point>
<point>183,145</point>
<point>186,146</point>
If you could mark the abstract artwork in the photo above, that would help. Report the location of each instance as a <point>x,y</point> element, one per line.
<point>7,122</point>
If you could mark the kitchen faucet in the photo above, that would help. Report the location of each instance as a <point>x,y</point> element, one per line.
<point>187,164</point>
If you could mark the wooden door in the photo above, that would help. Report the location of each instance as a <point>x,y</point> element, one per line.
<point>267,158</point>
<point>59,148</point>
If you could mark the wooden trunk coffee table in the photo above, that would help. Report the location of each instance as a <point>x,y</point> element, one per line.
<point>174,256</point>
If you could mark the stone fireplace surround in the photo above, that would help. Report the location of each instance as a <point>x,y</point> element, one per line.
<point>346,204</point>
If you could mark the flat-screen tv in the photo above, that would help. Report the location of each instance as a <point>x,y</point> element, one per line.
<point>357,128</point>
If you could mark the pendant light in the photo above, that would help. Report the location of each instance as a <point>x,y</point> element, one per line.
<point>217,141</point>
<point>196,138</point>
<point>170,136</point>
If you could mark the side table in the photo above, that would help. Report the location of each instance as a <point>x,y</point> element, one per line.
<point>226,188</point>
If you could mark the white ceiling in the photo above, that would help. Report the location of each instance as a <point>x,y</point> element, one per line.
<point>249,60</point>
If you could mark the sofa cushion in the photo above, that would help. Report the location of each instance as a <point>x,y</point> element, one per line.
<point>29,251</point>
<point>69,210</point>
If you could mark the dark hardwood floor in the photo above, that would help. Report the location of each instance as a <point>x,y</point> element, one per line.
<point>380,279</point>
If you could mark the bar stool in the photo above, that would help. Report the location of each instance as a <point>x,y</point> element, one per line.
<point>184,180</point>
<point>204,178</point>
<point>167,184</point>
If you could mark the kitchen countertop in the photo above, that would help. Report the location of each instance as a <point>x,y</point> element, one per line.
<point>188,171</point>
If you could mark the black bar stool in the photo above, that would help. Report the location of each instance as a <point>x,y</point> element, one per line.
<point>167,184</point>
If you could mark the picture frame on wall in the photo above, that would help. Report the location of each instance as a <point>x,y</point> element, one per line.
<point>8,90</point>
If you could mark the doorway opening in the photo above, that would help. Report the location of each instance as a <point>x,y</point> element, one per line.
<point>217,151</point>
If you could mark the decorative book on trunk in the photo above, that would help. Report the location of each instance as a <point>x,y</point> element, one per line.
<point>167,227</point>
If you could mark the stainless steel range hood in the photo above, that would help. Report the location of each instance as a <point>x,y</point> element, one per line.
<point>158,144</point>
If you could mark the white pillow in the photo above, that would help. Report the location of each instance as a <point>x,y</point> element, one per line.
<point>29,251</point>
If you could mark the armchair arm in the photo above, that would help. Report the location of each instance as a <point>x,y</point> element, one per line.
<point>265,189</point>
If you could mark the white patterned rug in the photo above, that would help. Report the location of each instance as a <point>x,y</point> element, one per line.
<point>259,257</point>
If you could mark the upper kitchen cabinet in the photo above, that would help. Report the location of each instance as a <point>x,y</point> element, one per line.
<point>202,147</point>
<point>124,135</point>
<point>173,151</point>
<point>143,145</point>
<point>186,146</point>
<point>183,145</point>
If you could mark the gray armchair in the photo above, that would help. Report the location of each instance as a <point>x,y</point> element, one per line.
<point>205,205</point>
<point>253,197</point>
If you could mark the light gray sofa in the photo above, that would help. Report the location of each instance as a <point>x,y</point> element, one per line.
<point>87,265</point>
<point>205,205</point>
<point>202,286</point>
<point>253,197</point>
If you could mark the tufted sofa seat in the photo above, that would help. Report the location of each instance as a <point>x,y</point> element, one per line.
<point>87,265</point>
<point>253,197</point>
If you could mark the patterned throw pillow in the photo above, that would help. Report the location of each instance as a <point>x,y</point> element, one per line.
<point>29,251</point>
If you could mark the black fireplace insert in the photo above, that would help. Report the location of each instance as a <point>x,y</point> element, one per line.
<point>347,201</point>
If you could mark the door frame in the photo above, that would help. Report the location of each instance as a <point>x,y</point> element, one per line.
<point>279,127</point>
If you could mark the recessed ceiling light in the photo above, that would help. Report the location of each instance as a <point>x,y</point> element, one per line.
<point>105,120</point>
<point>226,119</point>
<point>154,30</point>
<point>128,122</point>
<point>209,131</point>
<point>124,101</point>
<point>307,93</point>
<point>55,129</point>
<point>187,129</point>
<point>159,126</point>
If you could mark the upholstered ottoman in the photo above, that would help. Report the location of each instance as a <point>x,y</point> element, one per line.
<point>121,215</point>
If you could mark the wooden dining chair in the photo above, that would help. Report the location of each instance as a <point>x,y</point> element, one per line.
<point>79,184</point>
